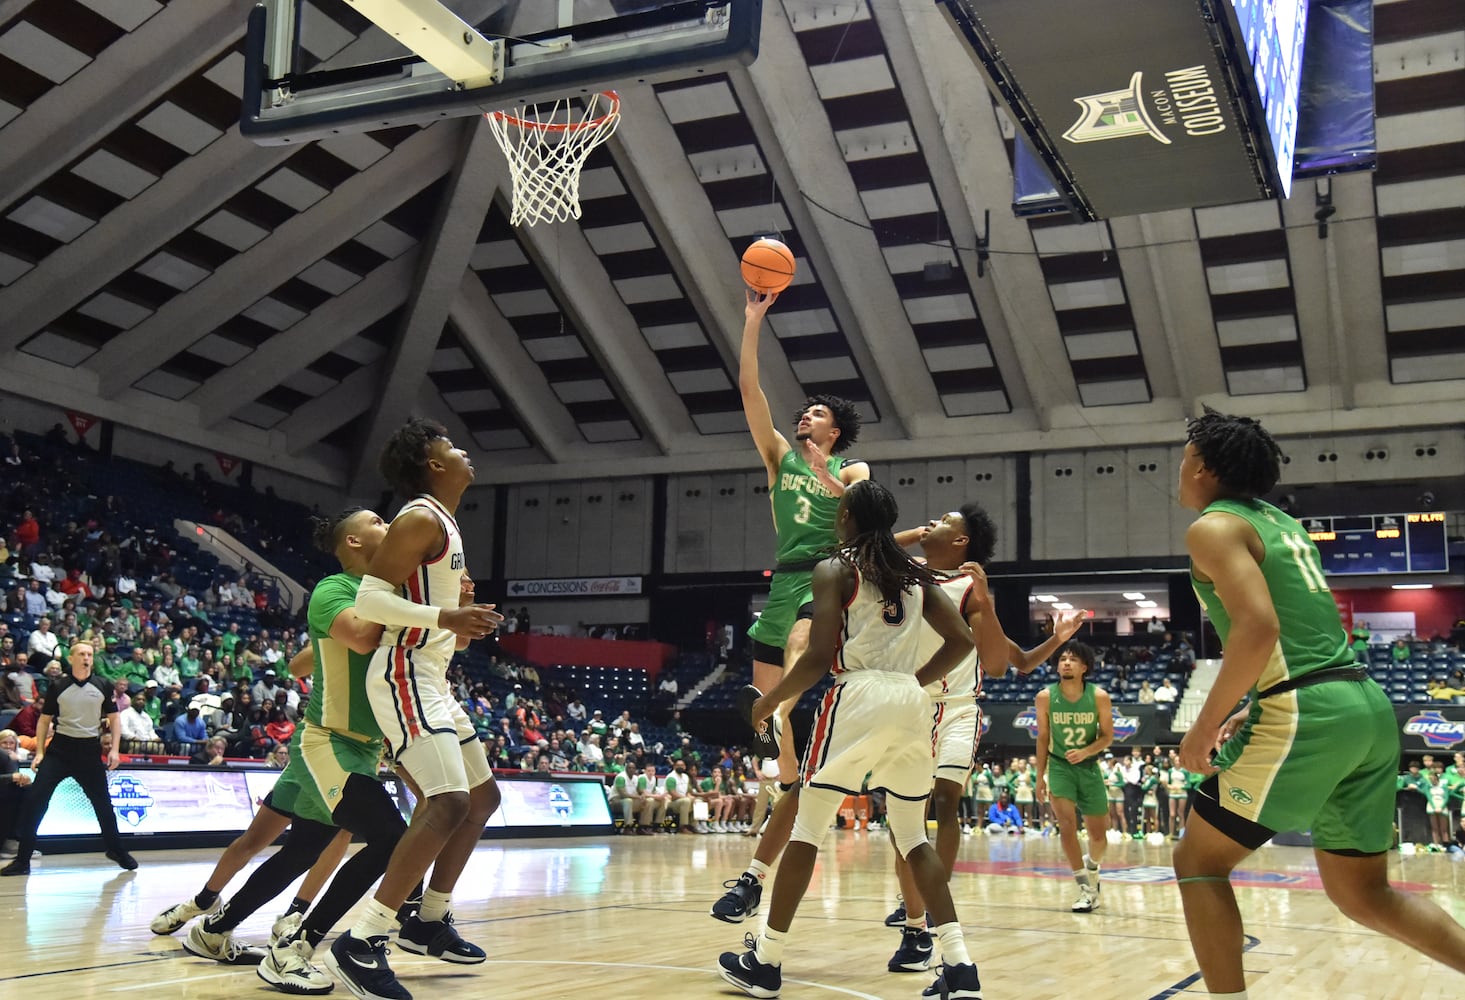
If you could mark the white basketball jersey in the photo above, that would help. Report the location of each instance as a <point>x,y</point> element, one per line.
<point>965,680</point>
<point>435,583</point>
<point>876,637</point>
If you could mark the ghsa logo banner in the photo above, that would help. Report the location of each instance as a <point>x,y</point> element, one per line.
<point>984,724</point>
<point>1435,730</point>
<point>1125,726</point>
<point>130,798</point>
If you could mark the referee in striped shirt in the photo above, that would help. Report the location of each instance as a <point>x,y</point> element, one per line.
<point>78,707</point>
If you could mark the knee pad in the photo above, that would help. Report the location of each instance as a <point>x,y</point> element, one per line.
<point>817,809</point>
<point>907,823</point>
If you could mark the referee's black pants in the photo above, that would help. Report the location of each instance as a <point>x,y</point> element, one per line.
<point>68,757</point>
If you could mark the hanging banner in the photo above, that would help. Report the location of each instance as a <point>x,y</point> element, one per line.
<point>81,422</point>
<point>227,463</point>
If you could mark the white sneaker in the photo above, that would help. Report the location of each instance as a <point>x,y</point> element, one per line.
<point>179,914</point>
<point>220,947</point>
<point>288,969</point>
<point>1087,902</point>
<point>285,927</point>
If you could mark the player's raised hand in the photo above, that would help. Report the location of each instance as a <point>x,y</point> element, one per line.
<point>475,621</point>
<point>1066,623</point>
<point>758,303</point>
<point>979,577</point>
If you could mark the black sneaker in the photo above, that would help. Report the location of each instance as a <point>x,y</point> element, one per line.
<point>750,975</point>
<point>956,982</point>
<point>124,860</point>
<point>17,867</point>
<point>741,899</point>
<point>362,966</point>
<point>438,939</point>
<point>914,953</point>
<point>897,916</point>
<point>409,909</point>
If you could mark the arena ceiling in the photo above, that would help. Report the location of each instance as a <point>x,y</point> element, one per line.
<point>291,304</point>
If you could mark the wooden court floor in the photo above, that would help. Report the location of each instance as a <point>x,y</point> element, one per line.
<point>627,916</point>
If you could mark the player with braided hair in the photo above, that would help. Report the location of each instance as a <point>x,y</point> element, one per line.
<point>870,602</point>
<point>1316,748</point>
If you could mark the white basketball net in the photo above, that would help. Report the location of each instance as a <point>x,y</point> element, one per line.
<point>547,146</point>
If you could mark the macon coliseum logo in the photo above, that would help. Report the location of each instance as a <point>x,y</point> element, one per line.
<point>1435,730</point>
<point>1125,726</point>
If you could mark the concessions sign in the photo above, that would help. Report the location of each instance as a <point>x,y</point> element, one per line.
<point>1126,101</point>
<point>577,586</point>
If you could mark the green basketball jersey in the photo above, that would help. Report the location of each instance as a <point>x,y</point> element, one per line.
<point>338,685</point>
<point>803,509</point>
<point>1312,636</point>
<point>1072,725</point>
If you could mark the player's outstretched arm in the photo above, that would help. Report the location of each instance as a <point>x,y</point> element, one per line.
<point>414,537</point>
<point>771,444</point>
<point>956,635</point>
<point>832,583</point>
<point>1065,625</point>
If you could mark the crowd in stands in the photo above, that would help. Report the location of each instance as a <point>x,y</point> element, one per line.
<point>1440,789</point>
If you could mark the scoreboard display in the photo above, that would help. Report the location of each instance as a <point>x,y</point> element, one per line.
<point>1380,543</point>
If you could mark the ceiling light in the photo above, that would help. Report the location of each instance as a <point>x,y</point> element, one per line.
<point>1147,604</point>
<point>1133,596</point>
<point>1047,598</point>
<point>1062,606</point>
<point>1413,586</point>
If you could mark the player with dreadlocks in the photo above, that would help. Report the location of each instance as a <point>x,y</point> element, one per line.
<point>1317,747</point>
<point>870,602</point>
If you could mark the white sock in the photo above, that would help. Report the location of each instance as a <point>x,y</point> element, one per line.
<point>1090,863</point>
<point>374,922</point>
<point>953,944</point>
<point>760,870</point>
<point>1082,877</point>
<point>435,905</point>
<point>915,920</point>
<point>768,949</point>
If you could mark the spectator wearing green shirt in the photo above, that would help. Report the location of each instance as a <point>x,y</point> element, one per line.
<point>189,664</point>
<point>597,724</point>
<point>231,639</point>
<point>1400,651</point>
<point>1361,635</point>
<point>136,669</point>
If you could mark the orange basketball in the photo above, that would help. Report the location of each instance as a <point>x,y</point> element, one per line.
<point>768,266</point>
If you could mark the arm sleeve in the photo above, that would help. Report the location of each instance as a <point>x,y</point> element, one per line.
<point>331,596</point>
<point>378,601</point>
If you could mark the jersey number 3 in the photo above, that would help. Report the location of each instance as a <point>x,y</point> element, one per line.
<point>894,614</point>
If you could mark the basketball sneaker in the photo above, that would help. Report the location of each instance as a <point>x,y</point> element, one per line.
<point>362,967</point>
<point>287,967</point>
<point>285,927</point>
<point>179,914</point>
<point>220,947</point>
<point>748,974</point>
<point>409,908</point>
<point>741,899</point>
<point>897,916</point>
<point>914,953</point>
<point>1088,900</point>
<point>956,982</point>
<point>438,939</point>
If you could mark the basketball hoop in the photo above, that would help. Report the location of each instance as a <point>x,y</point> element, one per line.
<point>547,147</point>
